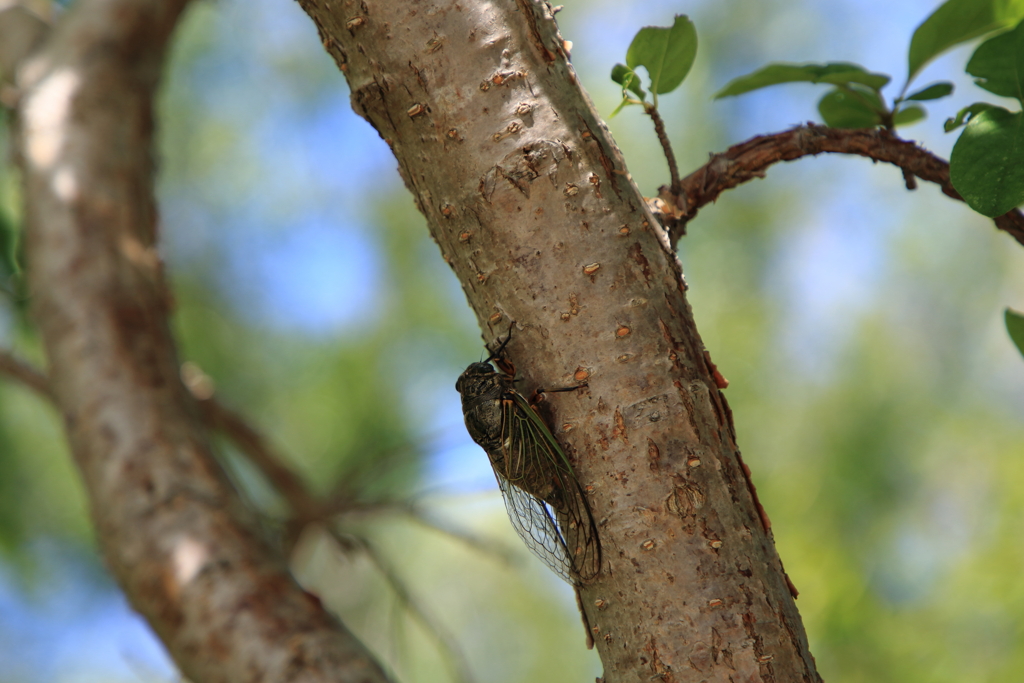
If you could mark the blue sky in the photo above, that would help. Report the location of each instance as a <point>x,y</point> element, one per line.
<point>75,626</point>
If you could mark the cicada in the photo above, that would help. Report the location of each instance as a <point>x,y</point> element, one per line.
<point>545,501</point>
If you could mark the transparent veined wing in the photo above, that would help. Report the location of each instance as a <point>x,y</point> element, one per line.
<point>545,501</point>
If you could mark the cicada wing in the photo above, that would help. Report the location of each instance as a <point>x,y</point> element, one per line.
<point>544,489</point>
<point>580,532</point>
<point>534,521</point>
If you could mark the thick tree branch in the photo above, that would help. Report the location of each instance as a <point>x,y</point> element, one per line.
<point>751,159</point>
<point>172,530</point>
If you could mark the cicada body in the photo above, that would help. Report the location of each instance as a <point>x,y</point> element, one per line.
<point>545,501</point>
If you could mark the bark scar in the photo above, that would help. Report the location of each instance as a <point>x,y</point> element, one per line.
<point>606,161</point>
<point>620,427</point>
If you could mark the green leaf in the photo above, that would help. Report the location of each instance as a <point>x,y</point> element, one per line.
<point>843,108</point>
<point>958,21</point>
<point>932,92</point>
<point>965,114</point>
<point>666,53</point>
<point>1015,326</point>
<point>908,115</point>
<point>836,73</point>
<point>628,79</point>
<point>985,166</point>
<point>998,64</point>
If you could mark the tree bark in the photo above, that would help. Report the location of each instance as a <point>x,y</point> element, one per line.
<point>531,205</point>
<point>171,529</point>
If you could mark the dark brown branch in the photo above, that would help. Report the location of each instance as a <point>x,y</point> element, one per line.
<point>751,159</point>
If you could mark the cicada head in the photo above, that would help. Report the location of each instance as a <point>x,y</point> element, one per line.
<point>476,377</point>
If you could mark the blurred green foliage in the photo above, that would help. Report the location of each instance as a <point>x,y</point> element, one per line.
<point>877,398</point>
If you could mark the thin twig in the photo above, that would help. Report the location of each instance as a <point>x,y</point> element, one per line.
<point>22,372</point>
<point>445,641</point>
<point>258,450</point>
<point>352,510</point>
<point>750,159</point>
<point>666,146</point>
<point>480,544</point>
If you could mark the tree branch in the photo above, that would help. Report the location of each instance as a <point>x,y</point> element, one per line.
<point>751,159</point>
<point>173,532</point>
<point>22,372</point>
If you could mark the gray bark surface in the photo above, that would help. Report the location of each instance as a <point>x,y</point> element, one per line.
<point>531,205</point>
<point>170,526</point>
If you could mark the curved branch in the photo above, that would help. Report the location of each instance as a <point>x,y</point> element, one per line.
<point>173,532</point>
<point>751,159</point>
